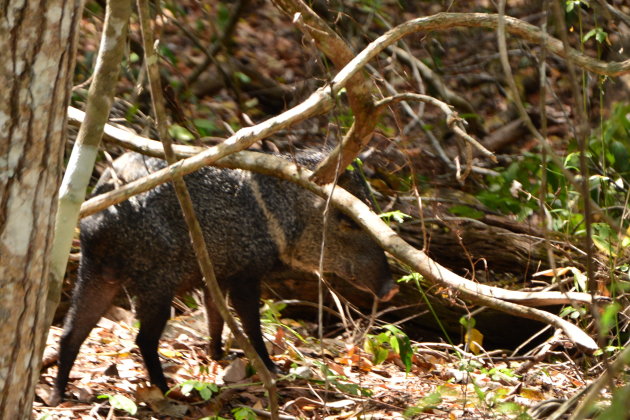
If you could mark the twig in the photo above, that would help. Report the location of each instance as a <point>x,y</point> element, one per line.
<point>622,360</point>
<point>323,99</point>
<point>615,12</point>
<point>452,119</point>
<point>153,148</point>
<point>240,6</point>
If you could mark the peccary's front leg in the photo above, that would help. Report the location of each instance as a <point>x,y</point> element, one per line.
<point>91,299</point>
<point>215,327</point>
<point>153,316</point>
<point>245,297</point>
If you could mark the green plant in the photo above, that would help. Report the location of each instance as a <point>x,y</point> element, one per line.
<point>499,373</point>
<point>392,339</point>
<point>416,279</point>
<point>516,190</point>
<point>271,311</point>
<point>396,215</point>
<point>120,402</point>
<point>571,5</point>
<point>205,389</point>
<point>244,413</point>
<point>608,318</point>
<point>429,402</point>
<point>342,383</point>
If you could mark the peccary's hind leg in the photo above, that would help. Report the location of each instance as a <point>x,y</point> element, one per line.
<point>215,327</point>
<point>91,299</point>
<point>246,302</point>
<point>153,313</point>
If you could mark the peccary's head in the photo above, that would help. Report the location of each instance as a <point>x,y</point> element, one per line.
<point>349,251</point>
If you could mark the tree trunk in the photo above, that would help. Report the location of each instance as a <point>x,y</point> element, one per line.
<point>38,44</point>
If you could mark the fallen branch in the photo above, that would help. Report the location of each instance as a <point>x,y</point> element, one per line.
<point>390,241</point>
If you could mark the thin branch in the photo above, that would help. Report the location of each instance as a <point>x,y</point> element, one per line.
<point>621,362</point>
<point>323,99</point>
<point>615,12</point>
<point>210,53</point>
<point>452,119</point>
<point>444,21</point>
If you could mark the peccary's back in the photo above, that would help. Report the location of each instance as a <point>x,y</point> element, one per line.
<point>247,219</point>
<point>251,223</point>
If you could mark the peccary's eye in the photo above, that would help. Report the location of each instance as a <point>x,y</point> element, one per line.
<point>346,223</point>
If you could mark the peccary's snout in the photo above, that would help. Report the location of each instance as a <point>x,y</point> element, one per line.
<point>388,291</point>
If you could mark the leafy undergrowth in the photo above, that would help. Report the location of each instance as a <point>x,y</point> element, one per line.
<point>335,381</point>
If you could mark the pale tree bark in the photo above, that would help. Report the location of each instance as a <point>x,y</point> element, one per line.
<point>81,162</point>
<point>38,44</point>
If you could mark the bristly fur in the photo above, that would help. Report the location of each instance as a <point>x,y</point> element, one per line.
<point>252,225</point>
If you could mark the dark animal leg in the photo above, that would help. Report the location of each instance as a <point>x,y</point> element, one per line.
<point>215,327</point>
<point>153,316</point>
<point>246,302</point>
<point>91,299</point>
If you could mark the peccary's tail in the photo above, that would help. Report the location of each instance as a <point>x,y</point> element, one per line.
<point>92,297</point>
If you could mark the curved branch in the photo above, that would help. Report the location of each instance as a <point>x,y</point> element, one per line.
<point>453,121</point>
<point>443,21</point>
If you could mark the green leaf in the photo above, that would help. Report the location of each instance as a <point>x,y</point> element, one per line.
<point>401,344</point>
<point>599,34</point>
<point>605,238</point>
<point>467,322</point>
<point>620,155</point>
<point>609,318</point>
<point>510,408</point>
<point>393,342</point>
<point>381,355</point>
<point>187,387</point>
<point>242,77</point>
<point>396,215</point>
<point>205,389</point>
<point>180,133</point>
<point>429,402</point>
<point>120,402</point>
<point>206,127</point>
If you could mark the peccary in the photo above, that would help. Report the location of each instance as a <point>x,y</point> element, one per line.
<point>253,224</point>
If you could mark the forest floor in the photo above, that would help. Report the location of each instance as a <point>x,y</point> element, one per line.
<point>335,381</point>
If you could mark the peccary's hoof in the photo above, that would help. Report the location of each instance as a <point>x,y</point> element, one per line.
<point>216,352</point>
<point>273,368</point>
<point>55,398</point>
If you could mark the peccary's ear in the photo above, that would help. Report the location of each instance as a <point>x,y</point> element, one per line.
<point>356,184</point>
